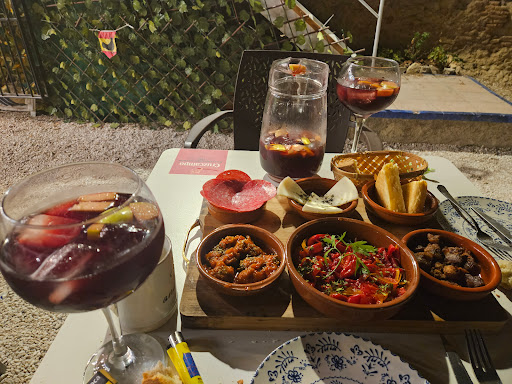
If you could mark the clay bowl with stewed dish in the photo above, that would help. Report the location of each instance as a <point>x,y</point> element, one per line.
<point>320,186</point>
<point>371,203</point>
<point>240,259</point>
<point>440,281</point>
<point>355,230</point>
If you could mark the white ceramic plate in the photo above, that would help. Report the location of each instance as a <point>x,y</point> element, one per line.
<point>499,210</point>
<point>334,358</point>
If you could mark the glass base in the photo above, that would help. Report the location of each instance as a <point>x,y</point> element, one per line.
<point>144,352</point>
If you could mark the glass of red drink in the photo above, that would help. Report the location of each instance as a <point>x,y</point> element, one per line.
<point>294,123</point>
<point>81,237</point>
<point>367,85</point>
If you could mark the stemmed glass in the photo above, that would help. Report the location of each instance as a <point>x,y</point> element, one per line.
<point>367,85</point>
<point>81,237</point>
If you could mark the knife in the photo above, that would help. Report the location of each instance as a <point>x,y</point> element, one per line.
<point>459,370</point>
<point>499,229</point>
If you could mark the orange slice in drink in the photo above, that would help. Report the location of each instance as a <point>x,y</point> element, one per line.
<point>384,92</point>
<point>297,69</point>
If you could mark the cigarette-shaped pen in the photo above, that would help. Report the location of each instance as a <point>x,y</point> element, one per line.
<point>181,357</point>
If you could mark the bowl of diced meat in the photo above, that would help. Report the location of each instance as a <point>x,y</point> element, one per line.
<point>453,266</point>
<point>240,259</point>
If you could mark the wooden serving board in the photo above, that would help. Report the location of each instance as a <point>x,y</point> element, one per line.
<point>283,309</point>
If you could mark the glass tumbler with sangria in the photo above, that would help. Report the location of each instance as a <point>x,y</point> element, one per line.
<point>367,85</point>
<point>294,124</point>
<point>81,237</point>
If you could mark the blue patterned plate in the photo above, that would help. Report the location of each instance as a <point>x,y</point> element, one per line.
<point>334,358</point>
<point>499,210</point>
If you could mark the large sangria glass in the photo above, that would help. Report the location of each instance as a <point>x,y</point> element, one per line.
<point>367,85</point>
<point>80,237</point>
<point>294,124</point>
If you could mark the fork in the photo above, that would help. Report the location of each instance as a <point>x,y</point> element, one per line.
<point>480,359</point>
<point>483,237</point>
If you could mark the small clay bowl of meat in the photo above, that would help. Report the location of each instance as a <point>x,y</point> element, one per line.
<point>453,266</point>
<point>240,259</point>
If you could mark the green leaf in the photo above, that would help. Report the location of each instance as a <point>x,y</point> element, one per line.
<point>290,3</point>
<point>187,125</point>
<point>94,107</point>
<point>152,27</point>
<point>136,5</point>
<point>114,125</point>
<point>300,40</point>
<point>279,22</point>
<point>300,25</point>
<point>183,7</point>
<point>319,46</point>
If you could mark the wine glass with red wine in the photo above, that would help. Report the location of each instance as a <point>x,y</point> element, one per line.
<point>367,85</point>
<point>81,237</point>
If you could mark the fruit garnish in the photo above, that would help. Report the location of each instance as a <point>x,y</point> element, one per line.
<point>45,237</point>
<point>276,147</point>
<point>94,231</point>
<point>144,211</point>
<point>281,132</point>
<point>388,84</point>
<point>384,92</point>
<point>297,69</point>
<point>91,206</point>
<point>61,209</point>
<point>305,141</point>
<point>101,196</point>
<point>123,215</point>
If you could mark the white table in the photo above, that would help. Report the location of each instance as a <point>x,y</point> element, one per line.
<point>228,356</point>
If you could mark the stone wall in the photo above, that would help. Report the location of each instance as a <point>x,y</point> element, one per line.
<point>477,31</point>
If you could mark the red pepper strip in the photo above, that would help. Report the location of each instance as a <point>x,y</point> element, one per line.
<point>312,250</point>
<point>349,267</point>
<point>316,239</point>
<point>339,296</point>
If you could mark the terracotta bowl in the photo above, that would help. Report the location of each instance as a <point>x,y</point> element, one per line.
<point>320,186</point>
<point>491,273</point>
<point>268,242</point>
<point>233,217</point>
<point>359,230</point>
<point>371,204</point>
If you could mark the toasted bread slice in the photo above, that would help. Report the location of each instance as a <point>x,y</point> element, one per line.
<point>161,374</point>
<point>388,188</point>
<point>415,194</point>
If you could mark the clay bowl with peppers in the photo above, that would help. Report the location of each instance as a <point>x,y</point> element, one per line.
<point>489,269</point>
<point>262,238</point>
<point>355,230</point>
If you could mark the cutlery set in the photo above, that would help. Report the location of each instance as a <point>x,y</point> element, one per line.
<point>478,354</point>
<point>500,250</point>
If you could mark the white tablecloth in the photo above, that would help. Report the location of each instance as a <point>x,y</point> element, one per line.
<point>229,356</point>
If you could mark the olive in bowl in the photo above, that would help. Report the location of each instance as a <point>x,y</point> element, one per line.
<point>320,186</point>
<point>240,259</point>
<point>338,275</point>
<point>372,204</point>
<point>453,266</point>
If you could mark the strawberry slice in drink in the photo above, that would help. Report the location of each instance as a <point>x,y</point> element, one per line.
<point>42,236</point>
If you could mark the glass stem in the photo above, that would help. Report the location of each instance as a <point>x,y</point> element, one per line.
<point>359,127</point>
<point>122,356</point>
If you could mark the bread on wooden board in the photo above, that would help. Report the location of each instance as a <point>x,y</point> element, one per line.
<point>415,193</point>
<point>389,189</point>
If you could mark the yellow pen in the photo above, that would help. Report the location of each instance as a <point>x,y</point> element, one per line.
<point>181,357</point>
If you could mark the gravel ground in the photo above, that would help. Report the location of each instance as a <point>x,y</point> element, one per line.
<point>33,144</point>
